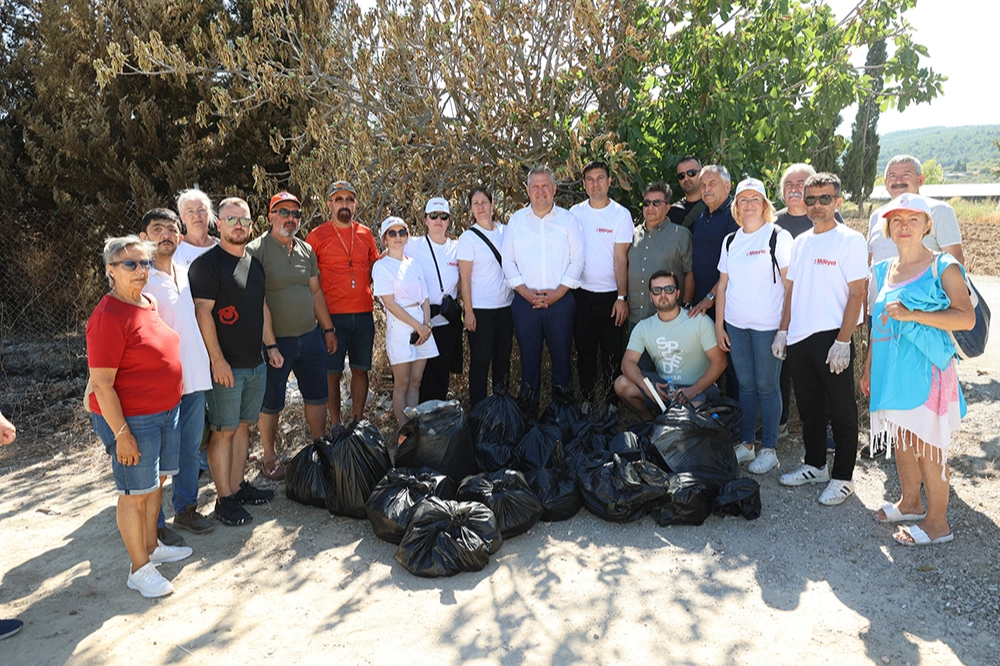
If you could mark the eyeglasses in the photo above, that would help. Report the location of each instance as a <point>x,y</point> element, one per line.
<point>284,212</point>
<point>132,264</point>
<point>402,233</point>
<point>669,289</point>
<point>690,173</point>
<point>825,199</point>
<point>442,216</point>
<point>656,203</point>
<point>233,221</point>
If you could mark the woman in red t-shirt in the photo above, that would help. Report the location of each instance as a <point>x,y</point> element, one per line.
<point>135,375</point>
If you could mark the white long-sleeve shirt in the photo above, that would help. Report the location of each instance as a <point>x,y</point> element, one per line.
<point>543,253</point>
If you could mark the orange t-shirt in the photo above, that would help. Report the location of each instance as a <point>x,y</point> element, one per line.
<point>346,275</point>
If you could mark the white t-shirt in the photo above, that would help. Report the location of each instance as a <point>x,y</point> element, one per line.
<point>403,280</point>
<point>490,290</point>
<point>821,268</point>
<point>447,262</point>
<point>944,231</point>
<point>755,292</point>
<point>186,253</point>
<point>176,308</point>
<point>603,228</point>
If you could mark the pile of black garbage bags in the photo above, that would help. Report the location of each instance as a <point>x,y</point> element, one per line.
<point>456,486</point>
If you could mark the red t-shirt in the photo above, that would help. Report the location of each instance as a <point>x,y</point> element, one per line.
<point>332,246</point>
<point>146,352</point>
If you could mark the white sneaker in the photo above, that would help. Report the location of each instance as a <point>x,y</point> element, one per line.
<point>744,452</point>
<point>836,492</point>
<point>165,553</point>
<point>803,475</point>
<point>782,430</point>
<point>148,581</point>
<point>765,461</point>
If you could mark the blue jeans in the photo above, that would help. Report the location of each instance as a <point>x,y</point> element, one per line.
<point>758,373</point>
<point>157,437</point>
<point>306,356</point>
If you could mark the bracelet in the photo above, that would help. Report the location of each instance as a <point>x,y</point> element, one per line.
<point>270,347</point>
<point>329,330</point>
<point>121,430</point>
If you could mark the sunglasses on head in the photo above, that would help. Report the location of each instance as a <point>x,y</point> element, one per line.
<point>825,199</point>
<point>284,212</point>
<point>441,216</point>
<point>656,203</point>
<point>668,289</point>
<point>690,173</point>
<point>233,221</point>
<point>402,233</point>
<point>132,264</point>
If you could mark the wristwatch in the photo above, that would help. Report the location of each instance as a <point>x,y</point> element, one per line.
<point>623,298</point>
<point>710,296</point>
<point>329,330</point>
<point>270,347</point>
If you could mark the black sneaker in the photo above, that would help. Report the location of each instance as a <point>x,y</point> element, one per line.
<point>9,628</point>
<point>169,537</point>
<point>248,494</point>
<point>229,512</point>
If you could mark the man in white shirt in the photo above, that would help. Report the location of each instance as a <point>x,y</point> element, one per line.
<point>198,218</point>
<point>602,299</point>
<point>168,284</point>
<point>542,261</point>
<point>826,278</point>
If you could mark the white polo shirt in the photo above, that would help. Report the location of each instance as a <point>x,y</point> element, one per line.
<point>543,253</point>
<point>603,229</point>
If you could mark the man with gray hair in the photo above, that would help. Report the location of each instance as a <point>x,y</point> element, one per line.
<point>197,219</point>
<point>793,218</point>
<point>542,261</point>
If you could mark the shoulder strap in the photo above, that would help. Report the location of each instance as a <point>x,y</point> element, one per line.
<point>431,248</point>
<point>692,214</point>
<point>774,259</point>
<point>729,240</point>
<point>489,244</point>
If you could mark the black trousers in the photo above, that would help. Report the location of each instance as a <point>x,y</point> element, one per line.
<point>593,328</point>
<point>823,396</point>
<point>785,381</point>
<point>434,385</point>
<point>491,344</point>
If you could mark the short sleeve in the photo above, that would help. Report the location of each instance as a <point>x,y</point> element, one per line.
<point>783,249</point>
<point>106,336</point>
<point>203,277</point>
<point>625,227</point>
<point>465,251</point>
<point>724,254</point>
<point>381,279</point>
<point>855,259</point>
<point>686,248</point>
<point>946,228</point>
<point>372,249</point>
<point>636,341</point>
<point>706,333</point>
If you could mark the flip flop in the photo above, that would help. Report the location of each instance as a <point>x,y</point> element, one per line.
<point>892,515</point>
<point>920,537</point>
<point>273,470</point>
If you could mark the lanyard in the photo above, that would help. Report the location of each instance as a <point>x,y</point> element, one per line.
<point>350,253</point>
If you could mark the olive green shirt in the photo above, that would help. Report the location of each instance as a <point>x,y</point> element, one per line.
<point>666,246</point>
<point>286,283</point>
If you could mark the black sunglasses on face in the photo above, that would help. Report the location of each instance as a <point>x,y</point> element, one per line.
<point>284,212</point>
<point>132,264</point>
<point>402,233</point>
<point>669,289</point>
<point>825,199</point>
<point>656,203</point>
<point>436,216</point>
<point>690,173</point>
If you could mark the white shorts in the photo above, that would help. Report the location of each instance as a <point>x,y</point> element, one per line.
<point>397,339</point>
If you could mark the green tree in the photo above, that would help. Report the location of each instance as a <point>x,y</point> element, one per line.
<point>861,159</point>
<point>933,172</point>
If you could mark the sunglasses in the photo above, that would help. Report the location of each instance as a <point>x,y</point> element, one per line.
<point>690,173</point>
<point>233,221</point>
<point>132,264</point>
<point>825,199</point>
<point>656,203</point>
<point>441,216</point>
<point>669,289</point>
<point>393,233</point>
<point>284,212</point>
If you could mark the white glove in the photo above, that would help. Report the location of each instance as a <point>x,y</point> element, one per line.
<point>779,345</point>
<point>839,356</point>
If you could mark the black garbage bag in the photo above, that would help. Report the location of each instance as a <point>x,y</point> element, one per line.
<point>394,500</point>
<point>493,457</point>
<point>593,446</point>
<point>604,418</point>
<point>438,436</point>
<point>509,497</point>
<point>558,491</point>
<point>497,419</point>
<point>308,476</point>
<point>537,447</point>
<point>726,411</point>
<point>739,497</point>
<point>689,501</point>
<point>446,537</point>
<point>620,490</point>
<point>563,412</point>
<point>359,459</point>
<point>686,441</point>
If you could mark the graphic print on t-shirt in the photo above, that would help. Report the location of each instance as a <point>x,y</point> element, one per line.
<point>669,360</point>
<point>228,315</point>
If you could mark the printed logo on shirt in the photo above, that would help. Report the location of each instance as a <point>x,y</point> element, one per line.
<point>228,315</point>
<point>670,361</point>
<point>602,230</point>
<point>453,263</point>
<point>754,253</point>
<point>825,262</point>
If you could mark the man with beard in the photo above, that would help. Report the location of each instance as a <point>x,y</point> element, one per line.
<point>685,211</point>
<point>168,284</point>
<point>684,350</point>
<point>228,289</point>
<point>197,219</point>
<point>296,301</point>
<point>345,251</point>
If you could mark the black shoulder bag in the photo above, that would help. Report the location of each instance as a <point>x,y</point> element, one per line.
<point>449,308</point>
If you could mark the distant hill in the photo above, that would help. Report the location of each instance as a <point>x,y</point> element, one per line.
<point>957,149</point>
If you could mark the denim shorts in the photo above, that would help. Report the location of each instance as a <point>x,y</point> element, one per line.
<point>159,439</point>
<point>355,338</point>
<point>228,407</point>
<point>306,356</point>
<point>712,392</point>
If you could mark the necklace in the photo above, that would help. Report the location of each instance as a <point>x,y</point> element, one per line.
<point>350,253</point>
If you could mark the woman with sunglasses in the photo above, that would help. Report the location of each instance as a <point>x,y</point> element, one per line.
<point>752,269</point>
<point>437,257</point>
<point>134,398</point>
<point>398,281</point>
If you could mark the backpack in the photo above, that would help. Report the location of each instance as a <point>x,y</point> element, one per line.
<point>969,344</point>
<point>772,243</point>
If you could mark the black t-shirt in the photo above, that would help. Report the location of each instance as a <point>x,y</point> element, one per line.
<point>798,224</point>
<point>236,284</point>
<point>682,208</point>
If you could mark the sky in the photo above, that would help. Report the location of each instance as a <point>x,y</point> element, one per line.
<point>961,38</point>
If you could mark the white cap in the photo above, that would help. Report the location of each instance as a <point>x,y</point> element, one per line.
<point>908,201</point>
<point>750,184</point>
<point>437,205</point>
<point>390,222</point>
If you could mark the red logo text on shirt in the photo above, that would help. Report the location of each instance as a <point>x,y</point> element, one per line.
<point>228,315</point>
<point>825,262</point>
<point>754,253</point>
<point>602,230</point>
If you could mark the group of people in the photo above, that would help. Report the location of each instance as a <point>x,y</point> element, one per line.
<point>714,285</point>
